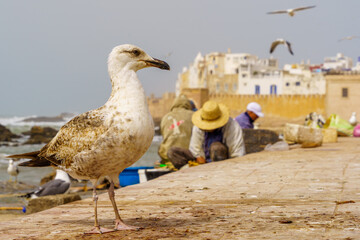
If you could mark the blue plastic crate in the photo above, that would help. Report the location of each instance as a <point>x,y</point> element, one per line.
<point>130,176</point>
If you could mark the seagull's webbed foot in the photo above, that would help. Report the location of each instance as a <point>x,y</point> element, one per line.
<point>99,230</point>
<point>120,225</point>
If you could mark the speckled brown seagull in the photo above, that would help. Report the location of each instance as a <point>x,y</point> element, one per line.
<point>280,41</point>
<point>103,142</point>
<point>291,11</point>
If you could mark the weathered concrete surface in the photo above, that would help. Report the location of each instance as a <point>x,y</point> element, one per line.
<point>46,202</point>
<point>267,195</point>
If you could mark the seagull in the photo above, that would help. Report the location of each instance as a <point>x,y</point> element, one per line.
<point>280,41</point>
<point>348,38</point>
<point>59,185</point>
<point>12,170</point>
<point>352,119</point>
<point>291,11</point>
<point>103,142</point>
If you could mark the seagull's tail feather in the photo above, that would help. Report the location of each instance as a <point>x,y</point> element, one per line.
<point>27,195</point>
<point>35,161</point>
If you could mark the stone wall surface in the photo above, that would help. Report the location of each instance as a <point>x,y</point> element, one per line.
<point>294,194</point>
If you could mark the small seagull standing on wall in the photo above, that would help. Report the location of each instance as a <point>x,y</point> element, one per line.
<point>12,170</point>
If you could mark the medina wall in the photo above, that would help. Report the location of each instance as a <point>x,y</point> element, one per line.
<point>284,106</point>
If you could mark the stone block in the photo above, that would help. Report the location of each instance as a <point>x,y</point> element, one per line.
<point>306,136</point>
<point>329,135</point>
<point>310,137</point>
<point>46,202</point>
<point>256,139</point>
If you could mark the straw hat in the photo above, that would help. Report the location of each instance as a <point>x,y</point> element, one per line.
<point>211,116</point>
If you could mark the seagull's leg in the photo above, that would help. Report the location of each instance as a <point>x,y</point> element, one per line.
<point>97,229</point>
<point>119,224</point>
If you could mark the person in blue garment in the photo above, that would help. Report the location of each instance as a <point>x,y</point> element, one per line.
<point>247,118</point>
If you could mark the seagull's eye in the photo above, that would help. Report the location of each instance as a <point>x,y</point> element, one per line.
<point>136,52</point>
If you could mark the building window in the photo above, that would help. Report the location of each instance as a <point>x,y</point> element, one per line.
<point>237,71</point>
<point>297,83</point>
<point>211,72</point>
<point>287,84</point>
<point>345,92</point>
<point>257,89</point>
<point>234,87</point>
<point>244,75</point>
<point>226,87</point>
<point>273,89</point>
<point>217,87</point>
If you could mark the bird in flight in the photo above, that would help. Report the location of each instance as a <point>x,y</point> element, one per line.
<point>291,11</point>
<point>348,38</point>
<point>280,41</point>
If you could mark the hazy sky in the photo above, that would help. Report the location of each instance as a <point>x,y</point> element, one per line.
<point>53,53</point>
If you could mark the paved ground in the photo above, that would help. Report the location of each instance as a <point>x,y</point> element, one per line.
<point>296,194</point>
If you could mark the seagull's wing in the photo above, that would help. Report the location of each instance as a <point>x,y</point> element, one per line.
<point>277,12</point>
<point>288,44</point>
<point>273,46</point>
<point>56,186</point>
<point>303,8</point>
<point>75,136</point>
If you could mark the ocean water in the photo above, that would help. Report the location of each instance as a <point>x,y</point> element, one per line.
<point>33,176</point>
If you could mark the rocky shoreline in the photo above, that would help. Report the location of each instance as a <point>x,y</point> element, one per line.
<point>36,135</point>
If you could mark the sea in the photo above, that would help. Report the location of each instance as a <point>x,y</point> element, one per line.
<point>32,176</point>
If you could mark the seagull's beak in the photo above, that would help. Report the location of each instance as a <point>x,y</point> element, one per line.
<point>157,63</point>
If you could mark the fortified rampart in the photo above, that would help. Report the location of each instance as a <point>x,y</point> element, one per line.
<point>342,97</point>
<point>285,106</point>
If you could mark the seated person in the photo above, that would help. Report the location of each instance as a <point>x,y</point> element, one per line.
<point>247,118</point>
<point>214,137</point>
<point>176,128</point>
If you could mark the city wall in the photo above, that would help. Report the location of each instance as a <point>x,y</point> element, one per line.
<point>285,106</point>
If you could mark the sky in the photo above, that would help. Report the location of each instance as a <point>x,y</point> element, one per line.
<point>53,54</point>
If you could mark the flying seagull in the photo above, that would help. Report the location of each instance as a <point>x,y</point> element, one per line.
<point>280,41</point>
<point>348,38</point>
<point>291,11</point>
<point>59,185</point>
<point>12,170</point>
<point>103,142</point>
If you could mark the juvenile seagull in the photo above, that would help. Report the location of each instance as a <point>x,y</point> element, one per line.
<point>103,142</point>
<point>291,11</point>
<point>12,170</point>
<point>280,41</point>
<point>59,185</point>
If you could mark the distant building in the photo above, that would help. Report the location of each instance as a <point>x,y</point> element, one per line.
<point>357,66</point>
<point>246,74</point>
<point>338,63</point>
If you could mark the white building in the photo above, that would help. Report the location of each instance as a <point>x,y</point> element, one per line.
<point>338,63</point>
<point>246,74</point>
<point>357,66</point>
<point>293,79</point>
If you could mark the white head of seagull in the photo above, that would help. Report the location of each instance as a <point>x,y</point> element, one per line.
<point>131,57</point>
<point>291,11</point>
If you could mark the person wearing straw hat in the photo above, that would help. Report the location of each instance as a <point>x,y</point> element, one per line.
<point>247,118</point>
<point>215,137</point>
